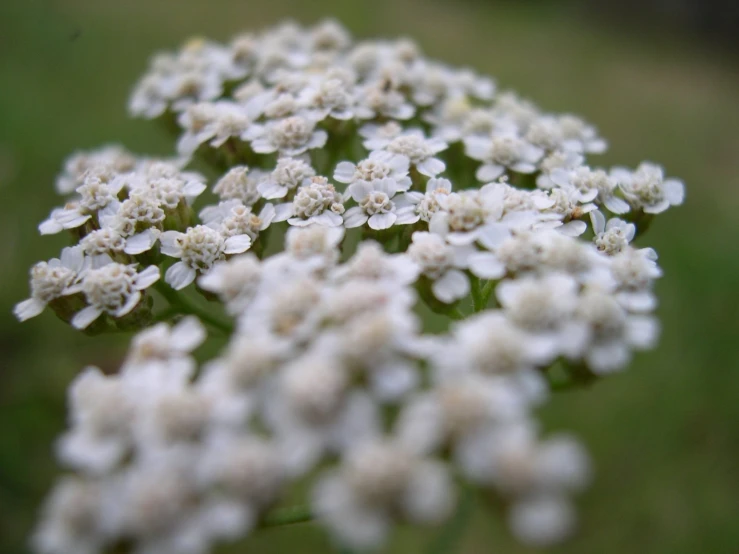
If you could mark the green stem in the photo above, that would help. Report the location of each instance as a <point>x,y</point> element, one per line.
<point>287,516</point>
<point>455,314</point>
<point>478,303</point>
<point>487,291</point>
<point>453,530</point>
<point>180,304</point>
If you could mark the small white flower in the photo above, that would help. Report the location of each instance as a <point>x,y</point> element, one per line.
<point>612,237</point>
<point>375,204</point>
<point>233,218</point>
<point>378,99</point>
<point>593,185</point>
<point>441,263</point>
<point>240,184</point>
<point>236,281</point>
<point>315,204</point>
<point>51,280</point>
<point>634,271</point>
<point>376,479</point>
<point>414,206</point>
<point>288,175</point>
<point>377,166</point>
<point>290,137</point>
<point>198,249</point>
<point>420,151</point>
<point>612,332</point>
<point>114,289</point>
<point>377,137</point>
<point>543,306</point>
<point>647,189</point>
<point>500,153</point>
<point>328,98</point>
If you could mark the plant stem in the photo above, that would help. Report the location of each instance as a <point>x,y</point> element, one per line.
<point>478,303</point>
<point>287,516</point>
<point>182,305</point>
<point>487,291</point>
<point>452,532</point>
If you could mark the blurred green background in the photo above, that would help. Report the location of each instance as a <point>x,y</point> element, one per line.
<point>664,435</point>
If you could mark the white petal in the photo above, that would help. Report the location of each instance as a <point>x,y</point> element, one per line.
<point>283,211</point>
<point>344,172</point>
<point>430,494</point>
<point>147,277</point>
<point>188,334</point>
<point>486,266</point>
<point>169,245</point>
<point>237,244</point>
<point>83,318</point>
<point>452,286</point>
<point>616,205</point>
<point>598,221</point>
<point>492,235</point>
<point>489,172</point>
<point>29,308</point>
<point>354,217</point>
<point>50,227</point>
<point>431,167</point>
<point>382,221</point>
<point>73,257</point>
<point>674,191</point>
<point>271,190</point>
<point>141,242</point>
<point>180,275</point>
<point>394,381</point>
<point>131,302</point>
<point>573,228</point>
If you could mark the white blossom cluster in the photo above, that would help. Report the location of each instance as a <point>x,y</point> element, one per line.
<point>397,182</point>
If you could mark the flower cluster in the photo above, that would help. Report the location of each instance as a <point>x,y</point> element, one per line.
<point>394,182</point>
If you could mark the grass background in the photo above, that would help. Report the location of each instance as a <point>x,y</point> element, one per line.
<point>664,435</point>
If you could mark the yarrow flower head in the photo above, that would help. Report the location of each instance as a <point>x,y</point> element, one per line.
<point>397,263</point>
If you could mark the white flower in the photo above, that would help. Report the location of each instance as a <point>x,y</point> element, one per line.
<point>328,98</point>
<point>198,249</point>
<point>236,281</point>
<point>378,137</point>
<point>500,153</point>
<point>375,204</point>
<point>97,197</point>
<point>441,263</point>
<point>612,332</point>
<point>240,184</point>
<point>634,272</point>
<point>543,306</point>
<point>108,240</point>
<point>414,206</point>
<point>593,185</point>
<point>162,342</point>
<point>216,122</point>
<point>375,480</point>
<point>647,189</point>
<point>420,151</point>
<point>114,289</point>
<point>370,262</point>
<point>288,175</point>
<point>290,137</point>
<point>232,218</point>
<point>51,280</point>
<point>377,166</point>
<point>112,158</point>
<point>71,520</point>
<point>317,203</point>
<point>612,237</point>
<point>378,99</point>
